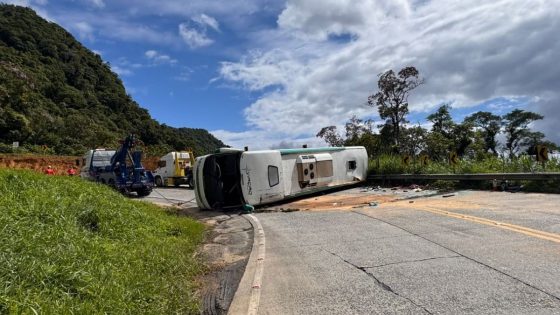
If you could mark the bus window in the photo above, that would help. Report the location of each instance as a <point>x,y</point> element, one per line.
<point>273,178</point>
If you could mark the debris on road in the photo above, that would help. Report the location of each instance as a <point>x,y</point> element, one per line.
<point>448,195</point>
<point>353,198</point>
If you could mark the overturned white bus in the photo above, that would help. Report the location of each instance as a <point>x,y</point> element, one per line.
<point>232,178</point>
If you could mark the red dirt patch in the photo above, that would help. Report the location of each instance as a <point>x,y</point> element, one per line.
<point>59,163</point>
<point>337,202</point>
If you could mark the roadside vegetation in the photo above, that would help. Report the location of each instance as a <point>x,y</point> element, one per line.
<point>393,164</point>
<point>70,246</point>
<point>482,142</point>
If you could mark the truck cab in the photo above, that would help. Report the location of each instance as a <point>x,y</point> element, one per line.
<point>175,169</point>
<point>94,162</point>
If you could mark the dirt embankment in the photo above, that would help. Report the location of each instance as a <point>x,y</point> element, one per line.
<point>59,163</point>
<point>39,163</point>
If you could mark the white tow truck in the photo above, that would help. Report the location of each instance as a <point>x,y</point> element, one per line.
<point>175,169</point>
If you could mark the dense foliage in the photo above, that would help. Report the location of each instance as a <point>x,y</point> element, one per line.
<point>58,96</point>
<point>69,246</point>
<point>393,164</point>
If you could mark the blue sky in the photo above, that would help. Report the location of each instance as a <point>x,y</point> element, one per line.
<point>265,72</point>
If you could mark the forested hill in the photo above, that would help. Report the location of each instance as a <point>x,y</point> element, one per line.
<point>57,95</point>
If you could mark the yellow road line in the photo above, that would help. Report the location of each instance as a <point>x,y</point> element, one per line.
<point>502,225</point>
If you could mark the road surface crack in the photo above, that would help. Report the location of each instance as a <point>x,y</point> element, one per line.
<point>378,282</point>
<point>461,255</point>
<point>413,261</point>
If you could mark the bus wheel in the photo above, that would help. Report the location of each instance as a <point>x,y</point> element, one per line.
<point>159,181</point>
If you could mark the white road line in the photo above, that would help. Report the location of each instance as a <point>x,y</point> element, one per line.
<point>247,297</point>
<point>257,279</point>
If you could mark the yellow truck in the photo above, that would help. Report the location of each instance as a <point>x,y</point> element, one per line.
<point>175,169</point>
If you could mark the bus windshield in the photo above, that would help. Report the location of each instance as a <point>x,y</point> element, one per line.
<point>222,186</point>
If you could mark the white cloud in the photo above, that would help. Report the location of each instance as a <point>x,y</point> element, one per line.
<point>151,53</point>
<point>206,20</point>
<point>85,31</point>
<point>185,74</point>
<point>98,3</point>
<point>121,71</point>
<point>159,58</point>
<point>112,25</point>
<point>194,33</point>
<point>323,17</point>
<point>194,38</point>
<point>261,140</point>
<point>468,51</point>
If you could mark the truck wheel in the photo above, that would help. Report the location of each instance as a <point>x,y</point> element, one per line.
<point>159,181</point>
<point>144,192</point>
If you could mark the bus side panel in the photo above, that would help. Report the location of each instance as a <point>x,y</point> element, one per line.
<point>262,177</point>
<point>349,166</point>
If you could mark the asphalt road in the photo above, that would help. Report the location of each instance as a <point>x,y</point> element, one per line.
<point>472,253</point>
<point>172,196</point>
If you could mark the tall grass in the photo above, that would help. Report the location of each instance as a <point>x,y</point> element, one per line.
<point>69,246</point>
<point>392,164</point>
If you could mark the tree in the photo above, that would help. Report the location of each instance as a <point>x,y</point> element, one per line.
<point>516,127</point>
<point>413,140</point>
<point>392,98</point>
<point>331,136</point>
<point>356,127</point>
<point>490,127</point>
<point>533,139</point>
<point>462,137</point>
<point>442,121</point>
<point>358,133</point>
<point>459,136</point>
<point>437,146</point>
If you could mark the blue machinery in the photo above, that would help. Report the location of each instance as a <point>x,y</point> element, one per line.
<point>126,172</point>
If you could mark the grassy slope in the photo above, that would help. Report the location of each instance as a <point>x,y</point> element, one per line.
<point>71,246</point>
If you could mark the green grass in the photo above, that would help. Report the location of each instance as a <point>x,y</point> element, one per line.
<point>70,246</point>
<point>392,164</point>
